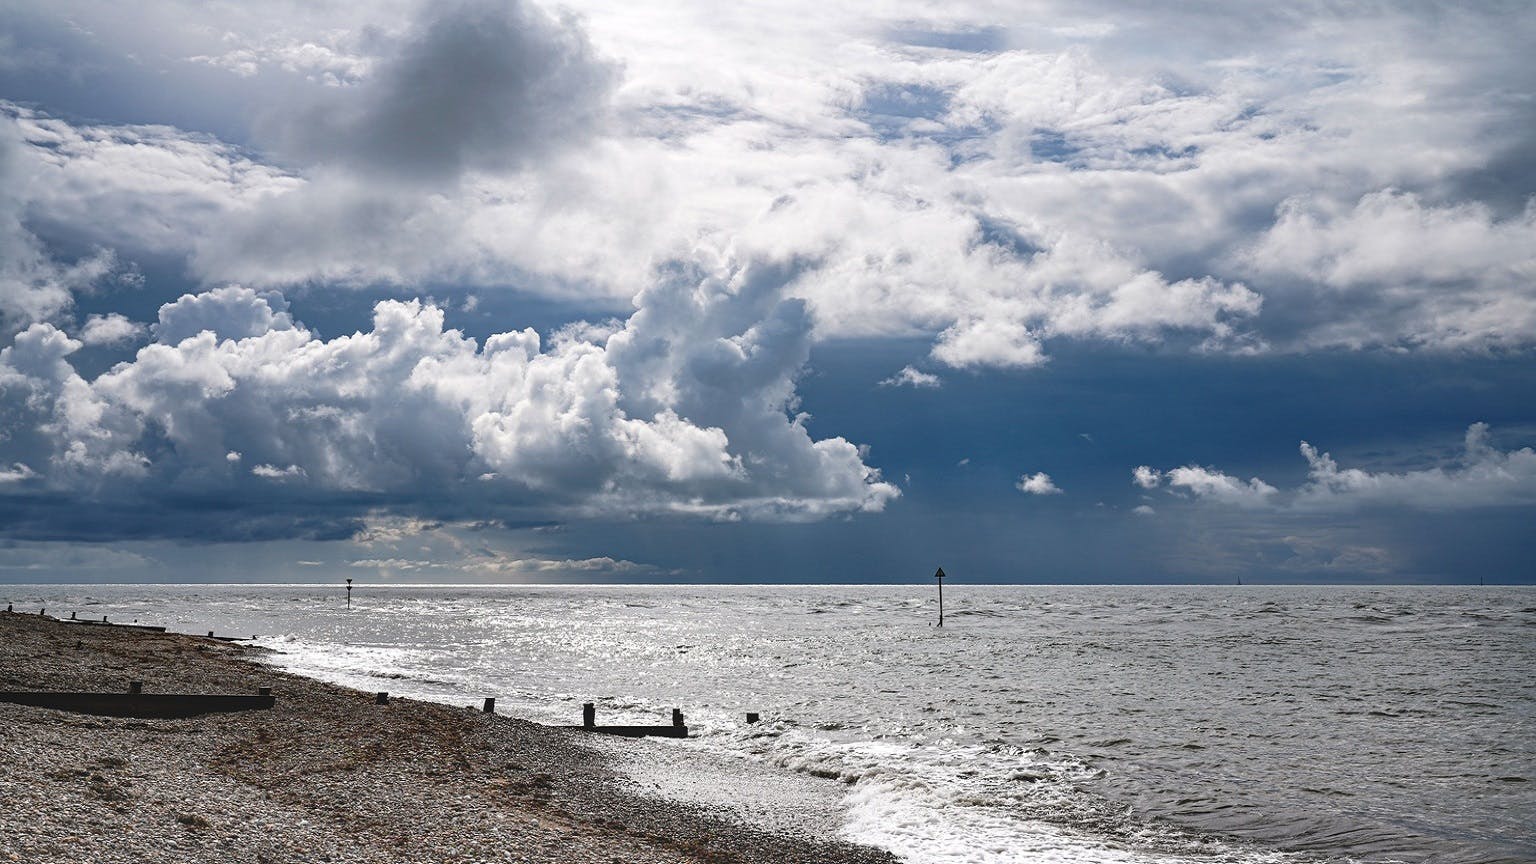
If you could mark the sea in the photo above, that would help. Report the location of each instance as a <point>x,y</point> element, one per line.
<point>1038,724</point>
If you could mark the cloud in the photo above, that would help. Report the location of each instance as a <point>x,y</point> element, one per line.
<point>1483,476</point>
<point>33,285</point>
<point>272,472</point>
<point>1145,477</point>
<point>687,408</point>
<point>1144,510</point>
<point>230,312</point>
<point>1210,484</point>
<point>910,377</point>
<point>1252,181</point>
<point>1037,484</point>
<point>472,86</point>
<point>111,329</point>
<point>1414,275</point>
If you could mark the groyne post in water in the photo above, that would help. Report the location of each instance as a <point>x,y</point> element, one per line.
<point>588,714</point>
<point>751,717</point>
<point>490,705</point>
<point>677,717</point>
<point>940,576</point>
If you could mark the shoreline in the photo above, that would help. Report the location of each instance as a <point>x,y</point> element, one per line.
<point>326,774</point>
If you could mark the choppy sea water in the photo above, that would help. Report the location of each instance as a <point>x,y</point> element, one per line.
<point>1041,723</point>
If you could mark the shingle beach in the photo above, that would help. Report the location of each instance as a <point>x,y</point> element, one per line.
<point>326,775</point>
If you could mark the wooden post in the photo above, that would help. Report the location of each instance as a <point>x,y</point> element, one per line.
<point>751,717</point>
<point>71,616</point>
<point>588,714</point>
<point>677,716</point>
<point>381,698</point>
<point>210,634</point>
<point>490,705</point>
<point>940,576</point>
<point>264,691</point>
<point>135,686</point>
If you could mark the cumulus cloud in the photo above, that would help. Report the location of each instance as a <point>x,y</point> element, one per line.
<point>111,329</point>
<point>688,408</point>
<point>16,473</point>
<point>1145,477</point>
<point>1483,476</point>
<point>911,377</point>
<point>1451,276</point>
<point>230,312</point>
<point>1208,483</point>
<point>1037,484</point>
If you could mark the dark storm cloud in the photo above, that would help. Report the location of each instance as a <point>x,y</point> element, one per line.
<point>475,86</point>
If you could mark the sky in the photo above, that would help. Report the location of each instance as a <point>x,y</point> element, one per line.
<point>500,291</point>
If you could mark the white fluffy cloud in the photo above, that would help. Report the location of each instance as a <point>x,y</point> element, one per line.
<point>912,377</point>
<point>1440,276</point>
<point>1038,483</point>
<point>110,329</point>
<point>1208,483</point>
<point>687,407</point>
<point>1483,476</point>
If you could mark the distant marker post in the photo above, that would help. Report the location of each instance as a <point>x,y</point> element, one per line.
<point>349,593</point>
<point>940,576</point>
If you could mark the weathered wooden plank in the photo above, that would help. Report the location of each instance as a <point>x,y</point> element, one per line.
<point>637,731</point>
<point>139,704</point>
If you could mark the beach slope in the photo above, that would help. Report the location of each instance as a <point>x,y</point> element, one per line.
<point>326,775</point>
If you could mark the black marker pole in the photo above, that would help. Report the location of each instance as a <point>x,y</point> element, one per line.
<point>940,576</point>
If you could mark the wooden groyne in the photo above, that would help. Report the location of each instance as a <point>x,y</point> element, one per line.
<point>137,703</point>
<point>678,729</point>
